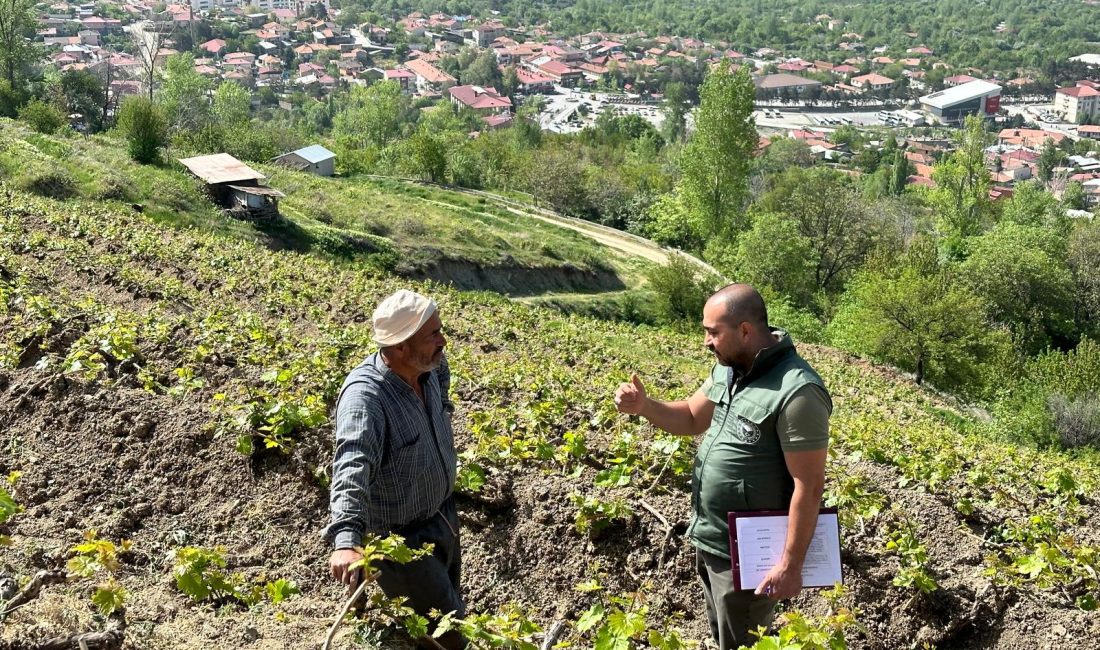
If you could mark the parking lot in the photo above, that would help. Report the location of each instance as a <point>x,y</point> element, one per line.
<point>563,112</point>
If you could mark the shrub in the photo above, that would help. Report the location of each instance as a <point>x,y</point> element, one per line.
<point>54,184</point>
<point>680,296</point>
<point>145,128</point>
<point>1076,421</point>
<point>42,117</point>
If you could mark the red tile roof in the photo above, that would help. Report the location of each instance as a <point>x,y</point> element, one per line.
<point>1079,91</point>
<point>479,98</point>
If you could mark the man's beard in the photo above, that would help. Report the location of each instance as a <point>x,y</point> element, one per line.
<point>721,360</point>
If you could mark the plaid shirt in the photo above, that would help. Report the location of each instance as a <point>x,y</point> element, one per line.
<point>395,459</point>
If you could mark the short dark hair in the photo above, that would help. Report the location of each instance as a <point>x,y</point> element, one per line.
<point>743,303</point>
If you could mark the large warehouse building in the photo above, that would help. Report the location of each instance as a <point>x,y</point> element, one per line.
<point>952,105</point>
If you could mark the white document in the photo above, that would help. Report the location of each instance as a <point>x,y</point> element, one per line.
<point>760,541</point>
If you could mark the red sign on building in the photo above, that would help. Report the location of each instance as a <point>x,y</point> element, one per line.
<point>992,104</point>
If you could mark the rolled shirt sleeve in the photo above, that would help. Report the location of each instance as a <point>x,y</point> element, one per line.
<point>359,443</point>
<point>803,423</point>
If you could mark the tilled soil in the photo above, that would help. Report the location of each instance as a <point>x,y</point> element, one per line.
<point>133,465</point>
<point>130,464</point>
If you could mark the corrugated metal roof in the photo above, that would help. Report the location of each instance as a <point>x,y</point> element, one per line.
<point>314,153</point>
<point>258,191</point>
<point>220,168</point>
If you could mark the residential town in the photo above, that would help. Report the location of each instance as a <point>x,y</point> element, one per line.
<point>287,52</point>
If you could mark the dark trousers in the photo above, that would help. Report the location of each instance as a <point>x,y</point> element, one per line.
<point>733,614</point>
<point>432,582</point>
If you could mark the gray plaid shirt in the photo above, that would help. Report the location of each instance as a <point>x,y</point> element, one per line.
<point>395,459</point>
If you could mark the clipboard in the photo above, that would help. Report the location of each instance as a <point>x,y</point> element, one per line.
<point>757,539</point>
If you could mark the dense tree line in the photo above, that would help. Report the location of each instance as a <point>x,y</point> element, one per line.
<point>1032,35</point>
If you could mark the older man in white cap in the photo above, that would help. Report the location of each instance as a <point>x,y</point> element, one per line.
<point>395,461</point>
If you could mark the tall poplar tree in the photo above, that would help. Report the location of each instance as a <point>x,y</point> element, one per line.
<point>961,198</point>
<point>718,158</point>
<point>17,22</point>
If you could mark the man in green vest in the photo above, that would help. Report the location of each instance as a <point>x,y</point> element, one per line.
<point>765,413</point>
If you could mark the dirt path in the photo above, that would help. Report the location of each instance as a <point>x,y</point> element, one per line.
<point>612,238</point>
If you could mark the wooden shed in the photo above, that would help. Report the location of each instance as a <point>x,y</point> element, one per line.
<point>234,185</point>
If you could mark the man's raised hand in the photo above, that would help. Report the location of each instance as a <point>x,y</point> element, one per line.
<point>630,397</point>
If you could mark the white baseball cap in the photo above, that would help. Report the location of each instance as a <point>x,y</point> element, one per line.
<point>399,316</point>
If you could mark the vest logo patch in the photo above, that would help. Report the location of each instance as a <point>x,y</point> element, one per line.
<point>748,432</point>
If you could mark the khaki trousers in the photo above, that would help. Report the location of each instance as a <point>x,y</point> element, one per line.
<point>733,615</point>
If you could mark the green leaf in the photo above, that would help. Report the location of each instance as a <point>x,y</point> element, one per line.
<point>591,617</point>
<point>83,565</point>
<point>109,597</point>
<point>416,626</point>
<point>245,445</point>
<point>279,590</point>
<point>608,640</point>
<point>1031,565</point>
<point>8,506</point>
<point>588,586</point>
<point>192,585</point>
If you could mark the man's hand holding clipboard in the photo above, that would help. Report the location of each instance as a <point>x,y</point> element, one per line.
<point>757,541</point>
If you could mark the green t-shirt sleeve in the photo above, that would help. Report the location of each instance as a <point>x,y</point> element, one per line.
<point>803,424</point>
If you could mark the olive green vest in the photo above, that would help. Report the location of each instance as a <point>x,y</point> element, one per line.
<point>740,464</point>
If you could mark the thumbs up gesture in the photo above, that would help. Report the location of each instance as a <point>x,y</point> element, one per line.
<point>630,397</point>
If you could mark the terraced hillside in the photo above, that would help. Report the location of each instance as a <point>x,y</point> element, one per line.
<point>413,230</point>
<point>171,387</point>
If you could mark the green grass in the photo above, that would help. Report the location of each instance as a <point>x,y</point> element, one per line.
<point>390,224</point>
<point>457,225</point>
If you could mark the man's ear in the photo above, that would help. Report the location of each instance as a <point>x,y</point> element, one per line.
<point>746,330</point>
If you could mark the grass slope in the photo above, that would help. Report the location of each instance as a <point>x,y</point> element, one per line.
<point>416,231</point>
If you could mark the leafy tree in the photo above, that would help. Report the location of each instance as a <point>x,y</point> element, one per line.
<point>926,324</point>
<point>17,51</point>
<point>831,215</point>
<point>372,116</point>
<point>783,153</point>
<point>1021,274</point>
<point>674,126</point>
<point>484,71</point>
<point>43,116</point>
<point>1048,160</point>
<point>680,293</point>
<point>509,82</point>
<point>232,104</point>
<point>145,128</point>
<point>672,224</point>
<point>1073,197</point>
<point>10,100</point>
<point>427,156</point>
<point>961,198</point>
<point>557,177</point>
<point>1031,205</point>
<point>184,94</point>
<point>717,159</point>
<point>84,94</point>
<point>1084,262</point>
<point>773,253</point>
<point>899,174</point>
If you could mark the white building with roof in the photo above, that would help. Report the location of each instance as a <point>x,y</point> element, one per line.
<point>314,159</point>
<point>952,105</point>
